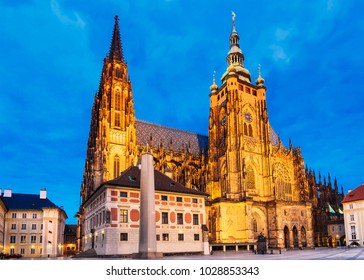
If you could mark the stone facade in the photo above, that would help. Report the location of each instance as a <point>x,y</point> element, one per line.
<point>255,184</point>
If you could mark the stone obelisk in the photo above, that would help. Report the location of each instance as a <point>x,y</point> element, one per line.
<point>147,228</point>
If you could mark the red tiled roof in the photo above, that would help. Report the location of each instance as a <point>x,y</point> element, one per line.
<point>357,194</point>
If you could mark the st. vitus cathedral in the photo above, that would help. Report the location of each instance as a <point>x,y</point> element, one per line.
<point>255,185</point>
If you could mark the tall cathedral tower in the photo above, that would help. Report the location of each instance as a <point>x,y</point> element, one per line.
<point>112,136</point>
<point>256,184</point>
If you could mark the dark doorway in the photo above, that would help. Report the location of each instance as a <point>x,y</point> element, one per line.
<point>286,237</point>
<point>295,237</point>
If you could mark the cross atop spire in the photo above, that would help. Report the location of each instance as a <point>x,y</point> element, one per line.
<point>116,50</point>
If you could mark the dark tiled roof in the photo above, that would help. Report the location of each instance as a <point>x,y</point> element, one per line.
<point>166,135</point>
<point>131,178</point>
<point>179,138</point>
<point>357,194</point>
<point>27,202</point>
<point>274,139</point>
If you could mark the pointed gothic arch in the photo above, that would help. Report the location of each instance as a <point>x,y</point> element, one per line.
<point>303,237</point>
<point>295,237</point>
<point>282,181</point>
<point>286,237</point>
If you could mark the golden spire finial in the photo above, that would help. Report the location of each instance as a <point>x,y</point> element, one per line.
<point>259,70</point>
<point>214,78</point>
<point>233,16</point>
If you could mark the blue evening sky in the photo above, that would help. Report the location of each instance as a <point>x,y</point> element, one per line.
<point>51,54</point>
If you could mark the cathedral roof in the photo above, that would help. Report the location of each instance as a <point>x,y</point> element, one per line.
<point>179,139</point>
<point>131,178</point>
<point>274,139</point>
<point>357,194</point>
<point>167,137</point>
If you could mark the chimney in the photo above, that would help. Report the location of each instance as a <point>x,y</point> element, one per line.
<point>7,193</point>
<point>43,194</point>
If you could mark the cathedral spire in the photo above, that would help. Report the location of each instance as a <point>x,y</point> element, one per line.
<point>235,57</point>
<point>116,50</point>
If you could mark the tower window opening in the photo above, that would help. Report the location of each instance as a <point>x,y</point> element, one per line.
<point>117,119</point>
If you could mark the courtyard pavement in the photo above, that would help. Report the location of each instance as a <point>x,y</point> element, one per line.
<point>307,254</point>
<point>342,253</point>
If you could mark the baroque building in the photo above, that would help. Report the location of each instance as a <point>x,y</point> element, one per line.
<point>255,184</point>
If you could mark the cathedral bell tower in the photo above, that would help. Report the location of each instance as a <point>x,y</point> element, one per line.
<point>239,144</point>
<point>112,137</point>
<point>238,127</point>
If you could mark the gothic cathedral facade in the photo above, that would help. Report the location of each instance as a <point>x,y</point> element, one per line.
<point>255,184</point>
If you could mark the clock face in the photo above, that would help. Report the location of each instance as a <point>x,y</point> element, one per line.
<point>248,117</point>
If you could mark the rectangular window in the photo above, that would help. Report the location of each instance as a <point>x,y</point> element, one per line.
<point>179,218</point>
<point>123,194</point>
<point>34,216</point>
<point>12,238</point>
<point>164,217</point>
<point>340,227</point>
<point>195,219</point>
<point>12,251</point>
<point>254,92</point>
<point>181,237</point>
<point>179,199</point>
<point>41,226</point>
<point>158,237</point>
<point>247,90</point>
<point>351,206</point>
<point>123,216</point>
<point>13,226</point>
<point>196,237</point>
<point>194,200</point>
<point>23,226</point>
<point>351,217</point>
<point>24,216</point>
<point>164,197</point>
<point>13,215</point>
<point>22,251</point>
<point>165,236</point>
<point>353,232</point>
<point>123,236</point>
<point>33,239</point>
<point>23,239</point>
<point>41,239</point>
<point>333,228</point>
<point>34,226</point>
<point>32,251</point>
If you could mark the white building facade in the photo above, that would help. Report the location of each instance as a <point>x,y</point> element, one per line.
<point>34,226</point>
<point>111,218</point>
<point>353,204</point>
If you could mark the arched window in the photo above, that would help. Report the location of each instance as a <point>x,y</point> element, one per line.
<point>245,129</point>
<point>282,182</point>
<point>255,226</point>
<point>118,73</point>
<point>116,166</point>
<point>117,100</point>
